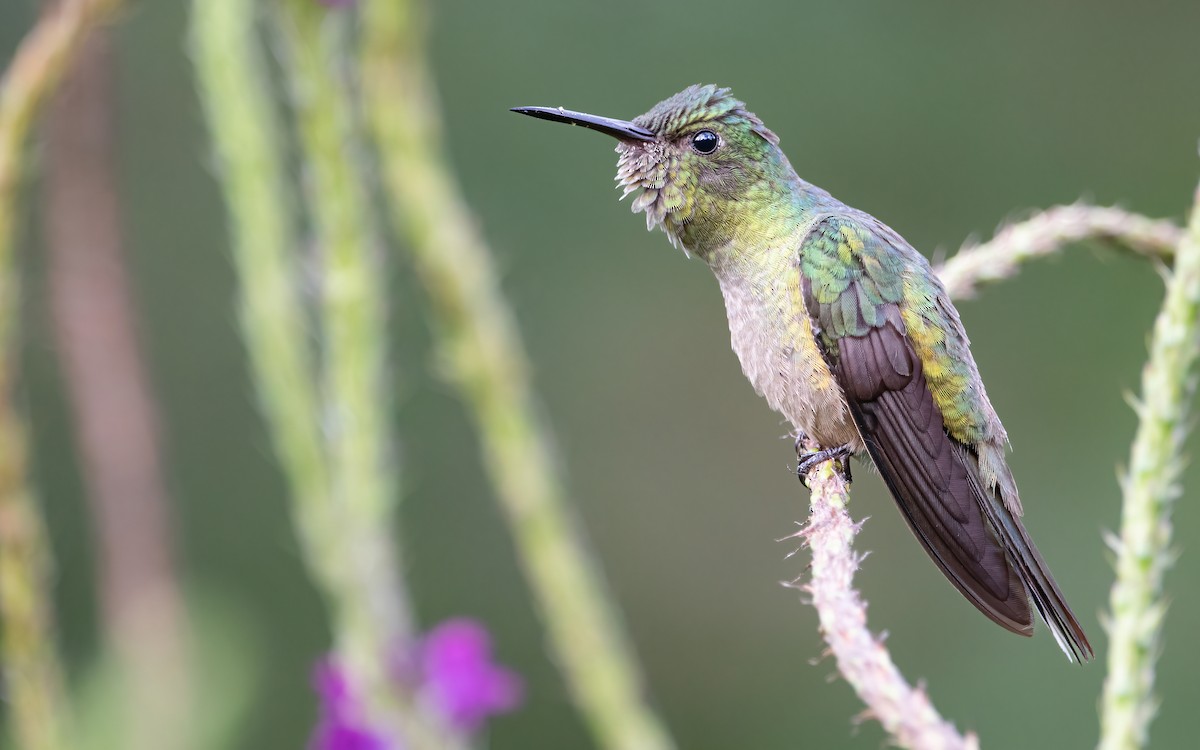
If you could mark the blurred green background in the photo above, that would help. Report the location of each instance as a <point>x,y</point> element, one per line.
<point>941,118</point>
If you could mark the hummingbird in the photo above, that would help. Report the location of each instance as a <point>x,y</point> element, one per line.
<point>846,331</point>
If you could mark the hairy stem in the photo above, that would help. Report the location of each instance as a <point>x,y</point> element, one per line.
<point>33,675</point>
<point>1150,488</point>
<point>352,335</point>
<point>479,339</point>
<point>113,407</point>
<point>332,438</point>
<point>1046,233</point>
<point>247,139</point>
<point>905,712</point>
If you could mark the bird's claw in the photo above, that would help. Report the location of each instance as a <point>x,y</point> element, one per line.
<point>809,460</point>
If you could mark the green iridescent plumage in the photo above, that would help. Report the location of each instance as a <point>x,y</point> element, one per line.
<point>843,251</point>
<point>844,329</point>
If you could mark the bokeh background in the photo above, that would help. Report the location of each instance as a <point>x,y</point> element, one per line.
<point>942,118</point>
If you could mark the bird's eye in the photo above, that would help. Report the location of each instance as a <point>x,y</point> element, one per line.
<point>706,141</point>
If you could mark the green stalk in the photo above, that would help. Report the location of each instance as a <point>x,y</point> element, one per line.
<point>36,702</point>
<point>332,440</point>
<point>351,323</point>
<point>247,137</point>
<point>479,339</point>
<point>34,677</point>
<point>1156,462</point>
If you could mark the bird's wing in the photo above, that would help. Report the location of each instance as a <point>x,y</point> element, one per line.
<point>859,283</point>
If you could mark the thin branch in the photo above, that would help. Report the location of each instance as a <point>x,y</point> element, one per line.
<point>1155,465</point>
<point>34,73</point>
<point>33,674</point>
<point>1048,232</point>
<point>905,712</point>
<point>116,422</point>
<point>480,341</point>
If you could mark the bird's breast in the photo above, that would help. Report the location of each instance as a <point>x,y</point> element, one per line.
<point>771,333</point>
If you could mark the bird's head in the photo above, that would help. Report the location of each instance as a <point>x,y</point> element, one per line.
<point>700,162</point>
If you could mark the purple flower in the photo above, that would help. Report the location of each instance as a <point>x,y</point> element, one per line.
<point>453,668</point>
<point>461,678</point>
<point>332,735</point>
<point>341,726</point>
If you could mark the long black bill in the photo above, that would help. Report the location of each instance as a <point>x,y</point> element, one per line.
<point>622,129</point>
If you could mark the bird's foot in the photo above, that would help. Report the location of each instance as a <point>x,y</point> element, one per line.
<point>801,439</point>
<point>809,460</point>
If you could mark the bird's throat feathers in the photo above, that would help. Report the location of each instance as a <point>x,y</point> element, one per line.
<point>744,191</point>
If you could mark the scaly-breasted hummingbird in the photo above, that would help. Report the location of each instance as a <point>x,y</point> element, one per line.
<point>845,329</point>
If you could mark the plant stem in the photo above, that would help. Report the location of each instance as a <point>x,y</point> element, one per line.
<point>373,617</point>
<point>1150,488</point>
<point>906,713</point>
<point>332,439</point>
<point>351,320</point>
<point>247,138</point>
<point>1046,233</point>
<point>480,343</point>
<point>34,695</point>
<point>113,408</point>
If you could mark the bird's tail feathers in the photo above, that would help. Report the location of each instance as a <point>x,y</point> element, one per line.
<point>1047,598</point>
